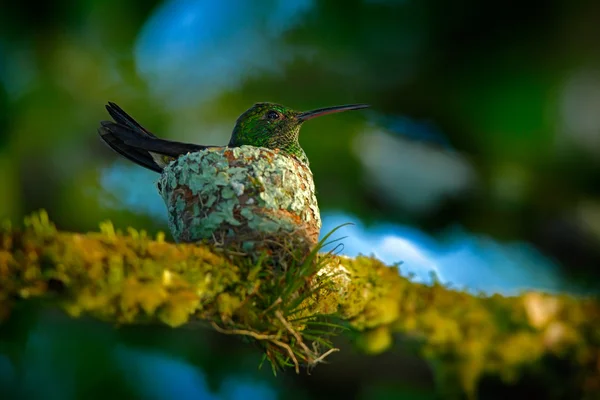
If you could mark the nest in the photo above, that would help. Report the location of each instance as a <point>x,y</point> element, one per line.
<point>245,198</point>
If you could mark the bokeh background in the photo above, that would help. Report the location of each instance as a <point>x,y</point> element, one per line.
<point>478,164</point>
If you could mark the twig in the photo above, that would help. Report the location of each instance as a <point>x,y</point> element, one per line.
<point>291,354</point>
<point>276,302</point>
<point>259,336</point>
<point>244,332</point>
<point>289,327</point>
<point>323,356</point>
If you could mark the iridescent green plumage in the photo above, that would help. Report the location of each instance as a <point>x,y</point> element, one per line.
<point>255,128</point>
<point>268,125</point>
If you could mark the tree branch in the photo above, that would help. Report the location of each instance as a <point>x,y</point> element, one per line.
<point>132,278</point>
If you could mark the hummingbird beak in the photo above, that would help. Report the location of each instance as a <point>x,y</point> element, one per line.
<point>305,116</point>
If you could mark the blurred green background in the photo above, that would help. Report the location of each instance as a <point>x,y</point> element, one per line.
<point>481,150</point>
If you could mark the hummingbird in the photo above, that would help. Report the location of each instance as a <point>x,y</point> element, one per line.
<point>269,125</point>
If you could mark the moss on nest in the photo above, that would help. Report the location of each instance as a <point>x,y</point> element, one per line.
<point>244,198</point>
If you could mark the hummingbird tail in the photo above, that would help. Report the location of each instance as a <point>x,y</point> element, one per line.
<point>132,141</point>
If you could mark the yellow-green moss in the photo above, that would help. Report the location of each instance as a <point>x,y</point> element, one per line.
<point>130,278</point>
<point>375,341</point>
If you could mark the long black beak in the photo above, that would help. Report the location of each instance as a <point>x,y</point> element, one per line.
<point>305,116</point>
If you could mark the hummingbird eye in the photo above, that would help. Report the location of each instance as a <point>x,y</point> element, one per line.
<point>272,114</point>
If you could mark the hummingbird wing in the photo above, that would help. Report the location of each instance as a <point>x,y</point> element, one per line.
<point>128,138</point>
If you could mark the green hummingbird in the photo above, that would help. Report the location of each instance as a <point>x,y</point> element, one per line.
<point>268,125</point>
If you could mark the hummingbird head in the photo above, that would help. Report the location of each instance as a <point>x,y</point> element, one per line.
<point>274,126</point>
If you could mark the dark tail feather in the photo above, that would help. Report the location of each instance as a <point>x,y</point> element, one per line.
<point>132,141</point>
<point>121,117</point>
<point>138,156</point>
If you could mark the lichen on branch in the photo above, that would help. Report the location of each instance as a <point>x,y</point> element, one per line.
<point>127,278</point>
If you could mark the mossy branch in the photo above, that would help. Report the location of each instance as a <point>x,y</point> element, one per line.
<point>132,278</point>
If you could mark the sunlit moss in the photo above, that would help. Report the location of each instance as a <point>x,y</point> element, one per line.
<point>376,340</point>
<point>132,278</point>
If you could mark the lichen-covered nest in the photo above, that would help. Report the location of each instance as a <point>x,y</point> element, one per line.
<point>247,198</point>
